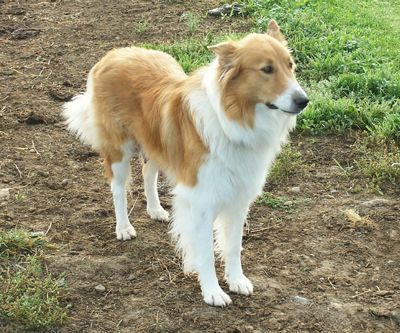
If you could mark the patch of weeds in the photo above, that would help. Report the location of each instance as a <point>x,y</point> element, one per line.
<point>20,197</point>
<point>269,200</point>
<point>191,54</point>
<point>30,297</point>
<point>287,163</point>
<point>142,27</point>
<point>345,170</point>
<point>192,21</point>
<point>379,161</point>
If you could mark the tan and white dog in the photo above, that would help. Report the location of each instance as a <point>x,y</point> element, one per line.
<point>215,134</point>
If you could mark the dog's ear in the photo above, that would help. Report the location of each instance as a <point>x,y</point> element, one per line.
<point>226,53</point>
<point>274,31</point>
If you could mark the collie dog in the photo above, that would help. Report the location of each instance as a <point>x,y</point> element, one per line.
<point>214,133</point>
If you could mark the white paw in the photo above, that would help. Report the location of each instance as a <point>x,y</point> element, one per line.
<point>159,214</point>
<point>216,297</point>
<point>126,232</point>
<point>241,285</point>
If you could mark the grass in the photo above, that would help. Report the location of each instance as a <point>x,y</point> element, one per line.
<point>379,161</point>
<point>142,27</point>
<point>30,297</point>
<point>192,21</point>
<point>269,200</point>
<point>287,164</point>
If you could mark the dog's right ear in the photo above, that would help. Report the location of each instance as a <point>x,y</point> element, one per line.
<point>274,31</point>
<point>225,52</point>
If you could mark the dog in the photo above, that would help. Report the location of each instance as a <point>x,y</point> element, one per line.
<point>214,133</point>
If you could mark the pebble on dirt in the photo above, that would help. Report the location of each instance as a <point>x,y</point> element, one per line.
<point>295,189</point>
<point>100,288</point>
<point>4,194</point>
<point>376,202</point>
<point>301,300</point>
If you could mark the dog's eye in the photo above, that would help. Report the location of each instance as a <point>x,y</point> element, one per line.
<point>290,65</point>
<point>268,69</point>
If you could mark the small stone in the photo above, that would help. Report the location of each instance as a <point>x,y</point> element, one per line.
<point>396,316</point>
<point>100,288</point>
<point>376,202</point>
<point>42,173</point>
<point>295,189</point>
<point>23,33</point>
<point>131,277</point>
<point>301,300</point>
<point>65,182</point>
<point>4,194</point>
<point>288,203</point>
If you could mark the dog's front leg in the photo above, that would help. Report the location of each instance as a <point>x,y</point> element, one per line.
<point>203,248</point>
<point>229,233</point>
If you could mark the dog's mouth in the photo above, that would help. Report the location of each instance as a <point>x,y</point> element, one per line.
<point>274,107</point>
<point>271,106</point>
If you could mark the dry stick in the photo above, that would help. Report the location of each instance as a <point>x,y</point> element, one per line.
<point>330,282</point>
<point>119,323</point>
<point>34,148</point>
<point>364,292</point>
<point>19,171</point>
<point>166,268</point>
<point>133,206</point>
<point>259,230</point>
<point>48,229</point>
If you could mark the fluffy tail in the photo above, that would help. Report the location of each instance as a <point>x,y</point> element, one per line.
<point>80,119</point>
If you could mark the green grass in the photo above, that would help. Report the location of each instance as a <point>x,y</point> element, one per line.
<point>192,21</point>
<point>378,161</point>
<point>30,297</point>
<point>269,200</point>
<point>142,27</point>
<point>286,165</point>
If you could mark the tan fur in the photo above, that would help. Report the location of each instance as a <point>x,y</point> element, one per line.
<point>139,95</point>
<point>243,60</point>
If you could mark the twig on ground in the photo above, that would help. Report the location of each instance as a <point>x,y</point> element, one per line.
<point>34,148</point>
<point>362,293</point>
<point>133,206</point>
<point>19,171</point>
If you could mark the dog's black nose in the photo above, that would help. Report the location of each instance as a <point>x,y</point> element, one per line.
<point>301,102</point>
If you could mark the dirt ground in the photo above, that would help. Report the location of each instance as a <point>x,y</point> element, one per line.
<point>313,270</point>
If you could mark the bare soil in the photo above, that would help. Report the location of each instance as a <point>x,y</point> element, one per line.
<point>313,269</point>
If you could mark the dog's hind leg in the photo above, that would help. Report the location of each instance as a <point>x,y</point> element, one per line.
<point>229,233</point>
<point>117,164</point>
<point>154,208</point>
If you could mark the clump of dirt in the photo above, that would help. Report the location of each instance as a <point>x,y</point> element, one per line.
<point>312,269</point>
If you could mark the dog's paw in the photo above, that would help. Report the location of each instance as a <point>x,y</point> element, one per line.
<point>159,214</point>
<point>125,232</point>
<point>216,297</point>
<point>242,286</point>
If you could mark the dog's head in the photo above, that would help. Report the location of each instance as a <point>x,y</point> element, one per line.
<point>258,69</point>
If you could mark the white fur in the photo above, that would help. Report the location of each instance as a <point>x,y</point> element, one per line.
<point>285,101</point>
<point>80,118</point>
<point>228,182</point>
<point>121,174</point>
<point>154,209</point>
